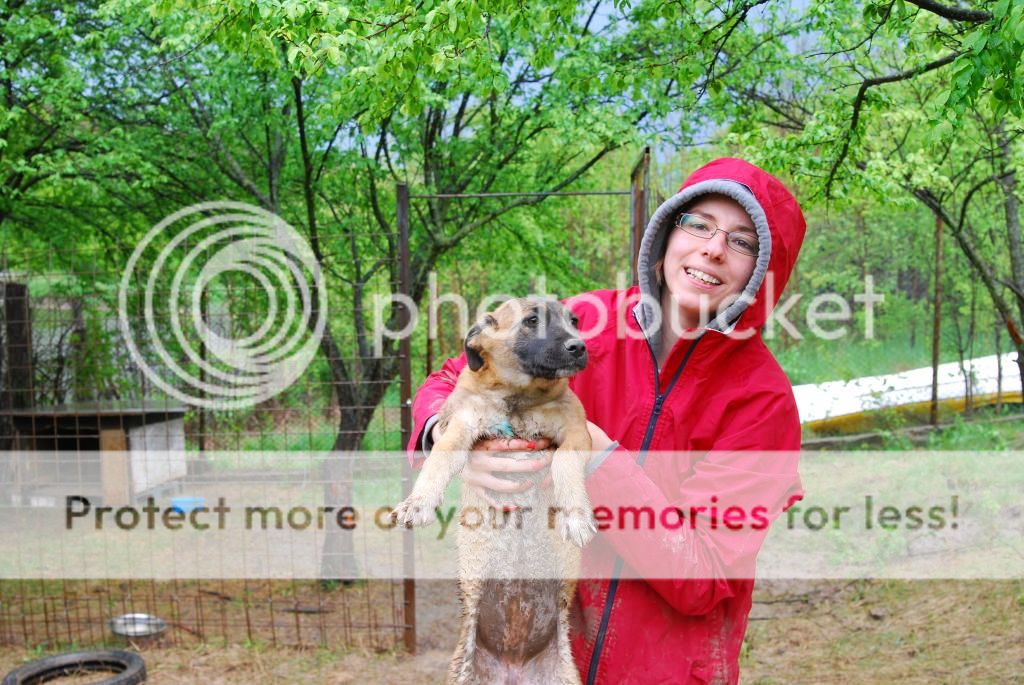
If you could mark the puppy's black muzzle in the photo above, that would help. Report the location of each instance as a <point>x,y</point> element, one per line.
<point>559,356</point>
<point>547,343</point>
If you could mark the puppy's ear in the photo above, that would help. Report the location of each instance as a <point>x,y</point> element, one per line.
<point>473,346</point>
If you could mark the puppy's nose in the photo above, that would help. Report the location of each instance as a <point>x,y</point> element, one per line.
<point>575,347</point>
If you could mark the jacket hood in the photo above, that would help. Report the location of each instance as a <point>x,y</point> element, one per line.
<point>780,230</point>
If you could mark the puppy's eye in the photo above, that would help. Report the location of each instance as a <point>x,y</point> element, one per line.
<point>575,321</point>
<point>532,320</point>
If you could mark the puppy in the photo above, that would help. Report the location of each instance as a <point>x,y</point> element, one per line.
<point>515,568</point>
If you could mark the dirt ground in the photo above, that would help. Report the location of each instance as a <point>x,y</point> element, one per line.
<point>800,632</point>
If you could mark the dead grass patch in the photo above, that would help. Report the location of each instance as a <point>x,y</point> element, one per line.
<point>907,632</point>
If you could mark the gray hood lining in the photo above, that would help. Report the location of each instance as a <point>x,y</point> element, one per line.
<point>653,245</point>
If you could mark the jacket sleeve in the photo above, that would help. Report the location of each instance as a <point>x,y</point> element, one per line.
<point>428,401</point>
<point>753,465</point>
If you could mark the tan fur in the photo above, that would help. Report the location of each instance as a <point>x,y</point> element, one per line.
<point>515,622</point>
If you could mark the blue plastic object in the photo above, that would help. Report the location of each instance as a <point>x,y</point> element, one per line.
<point>186,504</point>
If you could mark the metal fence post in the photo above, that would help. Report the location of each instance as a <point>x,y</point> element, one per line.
<point>405,393</point>
<point>639,189</point>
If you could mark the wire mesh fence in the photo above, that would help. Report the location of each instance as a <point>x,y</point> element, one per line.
<point>163,364</point>
<point>294,613</point>
<point>123,385</point>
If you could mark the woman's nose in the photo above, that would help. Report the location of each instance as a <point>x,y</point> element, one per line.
<point>716,245</point>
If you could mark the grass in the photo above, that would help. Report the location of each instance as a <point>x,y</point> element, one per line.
<point>814,360</point>
<point>964,435</point>
<point>872,631</point>
<point>320,438</point>
<point>818,361</point>
<point>889,429</point>
<point>303,435</point>
<point>862,631</point>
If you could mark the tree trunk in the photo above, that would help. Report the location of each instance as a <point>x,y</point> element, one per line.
<point>338,560</point>
<point>1020,361</point>
<point>961,356</point>
<point>936,323</point>
<point>982,270</point>
<point>357,398</point>
<point>999,368</point>
<point>1011,208</point>
<point>971,330</point>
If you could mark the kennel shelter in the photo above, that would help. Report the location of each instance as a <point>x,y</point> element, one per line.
<point>132,451</point>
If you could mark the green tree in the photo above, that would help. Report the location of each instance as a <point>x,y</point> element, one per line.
<point>314,112</point>
<point>901,101</point>
<point>45,128</point>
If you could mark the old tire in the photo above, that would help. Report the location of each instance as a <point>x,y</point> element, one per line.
<point>126,668</point>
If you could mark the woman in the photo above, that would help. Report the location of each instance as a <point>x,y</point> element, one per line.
<point>684,384</point>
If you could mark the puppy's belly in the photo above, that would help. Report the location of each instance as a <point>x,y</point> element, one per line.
<point>517,618</point>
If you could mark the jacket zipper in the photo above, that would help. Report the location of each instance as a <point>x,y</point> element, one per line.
<point>613,585</point>
<point>652,422</point>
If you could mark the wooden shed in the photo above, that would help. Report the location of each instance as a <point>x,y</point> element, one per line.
<point>115,451</point>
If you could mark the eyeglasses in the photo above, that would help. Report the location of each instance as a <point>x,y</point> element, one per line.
<point>740,241</point>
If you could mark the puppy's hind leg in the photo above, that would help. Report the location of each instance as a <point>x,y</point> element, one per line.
<point>460,670</point>
<point>567,672</point>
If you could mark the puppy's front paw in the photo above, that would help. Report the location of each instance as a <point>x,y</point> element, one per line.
<point>577,526</point>
<point>414,511</point>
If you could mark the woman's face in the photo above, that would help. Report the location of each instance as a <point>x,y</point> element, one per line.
<point>700,274</point>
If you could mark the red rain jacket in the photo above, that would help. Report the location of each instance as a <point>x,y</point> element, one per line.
<point>731,402</point>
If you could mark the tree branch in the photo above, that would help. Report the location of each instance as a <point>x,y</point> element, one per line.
<point>396,22</point>
<point>988,280</point>
<point>978,186</point>
<point>307,170</point>
<point>524,201</point>
<point>859,101</point>
<point>953,13</point>
<point>233,170</point>
<point>203,41</point>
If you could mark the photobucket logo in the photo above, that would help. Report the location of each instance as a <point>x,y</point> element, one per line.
<point>823,315</point>
<point>180,260</point>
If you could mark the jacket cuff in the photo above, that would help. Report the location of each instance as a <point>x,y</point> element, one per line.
<point>426,438</point>
<point>598,459</point>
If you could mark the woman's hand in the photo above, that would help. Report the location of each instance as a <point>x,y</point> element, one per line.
<point>598,438</point>
<point>479,471</point>
<point>599,442</point>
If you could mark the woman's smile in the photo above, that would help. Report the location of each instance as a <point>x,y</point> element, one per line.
<point>702,279</point>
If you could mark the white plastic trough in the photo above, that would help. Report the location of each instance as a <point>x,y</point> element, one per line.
<point>840,398</point>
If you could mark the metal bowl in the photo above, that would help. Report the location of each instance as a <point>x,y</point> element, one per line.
<point>138,626</point>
